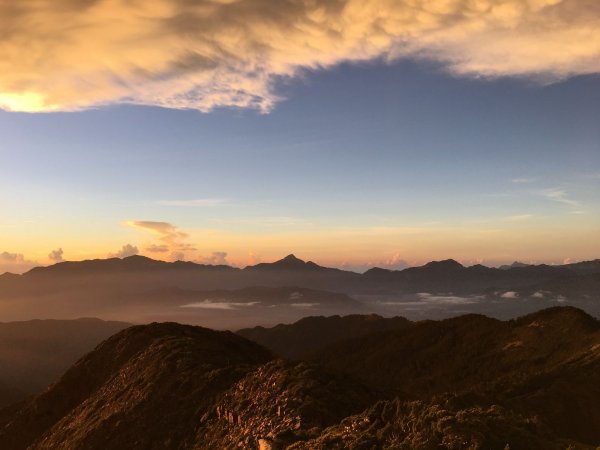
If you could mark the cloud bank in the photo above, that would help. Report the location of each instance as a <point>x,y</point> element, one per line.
<point>15,263</point>
<point>64,55</point>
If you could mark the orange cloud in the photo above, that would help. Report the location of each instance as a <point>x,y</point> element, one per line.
<point>70,55</point>
<point>172,239</point>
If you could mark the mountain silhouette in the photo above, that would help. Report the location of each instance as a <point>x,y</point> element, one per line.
<point>290,262</point>
<point>126,289</point>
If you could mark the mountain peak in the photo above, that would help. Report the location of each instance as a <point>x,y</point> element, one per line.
<point>291,258</point>
<point>445,264</point>
<point>290,262</point>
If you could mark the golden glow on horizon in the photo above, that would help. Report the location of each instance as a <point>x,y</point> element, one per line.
<point>202,55</point>
<point>354,248</point>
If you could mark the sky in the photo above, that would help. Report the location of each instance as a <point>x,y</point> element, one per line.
<point>351,133</point>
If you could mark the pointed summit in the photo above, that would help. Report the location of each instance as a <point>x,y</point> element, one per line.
<point>290,262</point>
<point>291,257</point>
<point>447,264</point>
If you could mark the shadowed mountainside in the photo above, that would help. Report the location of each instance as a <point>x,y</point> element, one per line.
<point>468,382</point>
<point>543,364</point>
<point>313,334</point>
<point>35,353</point>
<point>146,387</point>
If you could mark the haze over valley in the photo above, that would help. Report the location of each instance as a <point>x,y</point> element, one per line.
<point>140,290</point>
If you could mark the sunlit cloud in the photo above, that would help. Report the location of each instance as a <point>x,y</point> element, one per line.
<point>64,55</point>
<point>172,240</point>
<point>125,251</point>
<point>156,248</point>
<point>165,231</point>
<point>215,258</point>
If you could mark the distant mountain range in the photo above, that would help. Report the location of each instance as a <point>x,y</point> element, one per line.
<point>467,382</point>
<point>140,289</point>
<point>447,275</point>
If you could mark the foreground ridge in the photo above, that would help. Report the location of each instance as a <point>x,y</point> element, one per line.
<point>466,382</point>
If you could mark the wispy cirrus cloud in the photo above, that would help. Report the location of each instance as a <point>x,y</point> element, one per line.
<point>200,202</point>
<point>559,195</point>
<point>221,53</point>
<point>517,217</point>
<point>523,180</point>
<point>157,248</point>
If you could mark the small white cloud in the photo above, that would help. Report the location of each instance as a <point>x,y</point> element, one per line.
<point>215,259</point>
<point>447,299</point>
<point>523,180</point>
<point>207,304</point>
<point>253,258</point>
<point>126,250</point>
<point>56,255</point>
<point>510,294</point>
<point>296,296</point>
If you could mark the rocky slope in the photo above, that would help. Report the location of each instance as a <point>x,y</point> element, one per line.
<point>146,387</point>
<point>469,382</point>
<point>544,363</point>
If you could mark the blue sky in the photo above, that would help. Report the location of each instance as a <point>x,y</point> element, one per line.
<point>359,163</point>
